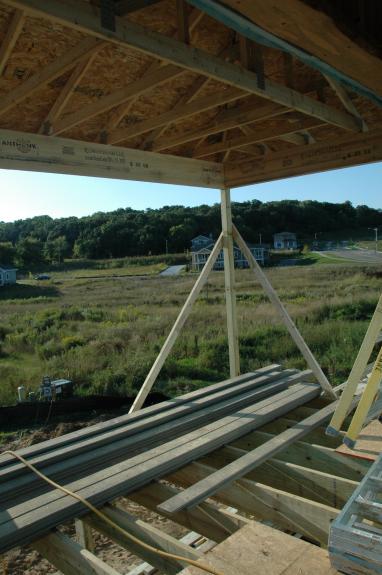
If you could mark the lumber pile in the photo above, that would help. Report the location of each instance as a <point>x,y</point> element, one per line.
<point>121,455</point>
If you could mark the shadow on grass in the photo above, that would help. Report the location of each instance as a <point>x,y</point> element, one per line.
<point>23,291</point>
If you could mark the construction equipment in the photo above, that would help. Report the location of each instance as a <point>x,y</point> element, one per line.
<point>356,374</point>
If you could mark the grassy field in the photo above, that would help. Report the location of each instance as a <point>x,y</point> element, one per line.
<point>104,333</point>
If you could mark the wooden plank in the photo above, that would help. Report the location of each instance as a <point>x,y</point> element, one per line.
<point>145,532</point>
<point>246,463</point>
<point>124,7</point>
<point>70,438</point>
<point>179,323</point>
<point>85,18</point>
<point>258,548</point>
<point>287,320</point>
<point>229,283</point>
<point>75,78</point>
<point>183,32</point>
<point>176,114</point>
<point>316,33</point>
<point>347,102</point>
<point>285,127</point>
<point>285,510</point>
<point>13,32</point>
<point>211,525</point>
<point>55,69</point>
<point>41,513</point>
<point>32,152</point>
<point>70,558</point>
<point>319,157</point>
<point>84,535</point>
<point>108,448</point>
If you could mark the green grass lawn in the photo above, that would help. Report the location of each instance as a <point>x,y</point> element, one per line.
<point>105,333</point>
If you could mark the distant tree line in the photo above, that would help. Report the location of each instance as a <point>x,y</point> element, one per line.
<point>128,232</point>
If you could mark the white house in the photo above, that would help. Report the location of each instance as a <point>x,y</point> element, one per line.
<point>7,275</point>
<point>201,247</point>
<point>285,241</point>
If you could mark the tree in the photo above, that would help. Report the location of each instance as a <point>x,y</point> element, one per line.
<point>29,252</point>
<point>55,250</point>
<point>7,253</point>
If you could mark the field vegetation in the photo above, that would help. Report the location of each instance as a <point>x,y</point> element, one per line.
<point>105,332</point>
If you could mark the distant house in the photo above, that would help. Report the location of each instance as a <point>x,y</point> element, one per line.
<point>7,275</point>
<point>285,241</point>
<point>202,246</point>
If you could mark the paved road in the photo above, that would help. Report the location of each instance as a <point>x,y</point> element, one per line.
<point>362,256</point>
<point>172,270</point>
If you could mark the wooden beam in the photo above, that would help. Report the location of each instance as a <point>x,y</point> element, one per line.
<point>347,102</point>
<point>316,33</point>
<point>133,90</point>
<point>85,18</point>
<point>54,70</point>
<point>181,112</point>
<point>285,510</point>
<point>22,151</point>
<point>206,519</point>
<point>284,127</point>
<point>247,462</point>
<point>75,78</point>
<point>145,532</point>
<point>284,315</point>
<point>229,283</point>
<point>179,323</point>
<point>13,32</point>
<point>319,157</point>
<point>84,535</point>
<point>70,558</point>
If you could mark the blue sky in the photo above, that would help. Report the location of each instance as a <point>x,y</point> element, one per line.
<point>27,194</point>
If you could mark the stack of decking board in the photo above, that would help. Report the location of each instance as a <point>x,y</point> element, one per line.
<point>118,456</point>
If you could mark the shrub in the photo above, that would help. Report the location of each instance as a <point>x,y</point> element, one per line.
<point>72,341</point>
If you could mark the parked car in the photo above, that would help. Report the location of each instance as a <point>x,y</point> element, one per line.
<point>42,277</point>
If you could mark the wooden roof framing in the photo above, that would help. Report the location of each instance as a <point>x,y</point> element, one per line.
<point>171,79</point>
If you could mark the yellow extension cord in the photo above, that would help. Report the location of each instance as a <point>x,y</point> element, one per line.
<point>104,517</point>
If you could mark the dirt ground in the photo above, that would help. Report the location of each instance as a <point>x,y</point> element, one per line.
<point>27,561</point>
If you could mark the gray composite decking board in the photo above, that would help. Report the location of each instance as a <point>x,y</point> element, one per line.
<point>83,462</point>
<point>69,438</point>
<point>193,495</point>
<point>37,516</point>
<point>135,427</point>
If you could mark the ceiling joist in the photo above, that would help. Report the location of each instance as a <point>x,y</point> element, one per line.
<point>84,17</point>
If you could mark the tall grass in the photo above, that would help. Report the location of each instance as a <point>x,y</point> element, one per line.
<point>105,333</point>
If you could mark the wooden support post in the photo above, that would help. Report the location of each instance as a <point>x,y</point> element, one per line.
<point>289,323</point>
<point>180,321</point>
<point>357,371</point>
<point>229,277</point>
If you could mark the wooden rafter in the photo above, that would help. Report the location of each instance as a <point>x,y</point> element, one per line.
<point>224,120</point>
<point>284,127</point>
<point>177,113</point>
<point>67,91</point>
<point>339,153</point>
<point>13,32</point>
<point>133,90</point>
<point>124,7</point>
<point>57,68</point>
<point>183,32</point>
<point>83,17</point>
